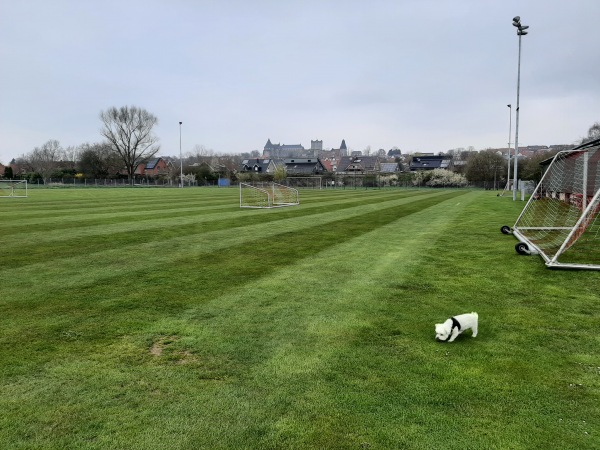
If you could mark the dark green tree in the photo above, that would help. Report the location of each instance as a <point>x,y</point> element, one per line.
<point>98,160</point>
<point>485,168</point>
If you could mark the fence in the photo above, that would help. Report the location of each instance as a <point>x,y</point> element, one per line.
<point>330,181</point>
<point>108,182</point>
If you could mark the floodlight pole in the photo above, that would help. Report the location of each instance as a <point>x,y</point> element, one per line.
<point>509,137</point>
<point>520,32</point>
<point>180,159</point>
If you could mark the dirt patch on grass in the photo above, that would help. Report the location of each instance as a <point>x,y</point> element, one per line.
<point>185,357</point>
<point>175,356</point>
<point>161,343</point>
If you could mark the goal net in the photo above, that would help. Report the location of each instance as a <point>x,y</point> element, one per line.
<point>560,220</point>
<point>305,182</point>
<point>13,188</point>
<point>267,195</point>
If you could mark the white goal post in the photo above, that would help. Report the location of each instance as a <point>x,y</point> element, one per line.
<point>13,188</point>
<point>561,219</point>
<point>267,195</point>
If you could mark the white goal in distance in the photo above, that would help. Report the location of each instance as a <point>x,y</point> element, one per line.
<point>13,188</point>
<point>561,219</point>
<point>267,195</point>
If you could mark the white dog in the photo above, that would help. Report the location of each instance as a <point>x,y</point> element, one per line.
<point>447,331</point>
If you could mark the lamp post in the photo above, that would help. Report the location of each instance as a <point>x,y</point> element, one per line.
<point>509,137</point>
<point>180,159</point>
<point>521,31</point>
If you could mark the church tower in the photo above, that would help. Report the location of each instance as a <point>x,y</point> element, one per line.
<point>343,148</point>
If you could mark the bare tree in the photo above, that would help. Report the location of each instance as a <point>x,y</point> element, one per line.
<point>44,160</point>
<point>200,154</point>
<point>593,133</point>
<point>129,132</point>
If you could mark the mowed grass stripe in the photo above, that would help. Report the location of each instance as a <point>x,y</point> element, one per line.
<point>154,290</point>
<point>344,281</point>
<point>63,242</point>
<point>107,212</point>
<point>19,213</point>
<point>89,269</point>
<point>155,253</point>
<point>47,219</point>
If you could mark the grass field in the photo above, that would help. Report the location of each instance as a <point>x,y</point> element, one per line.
<point>171,318</point>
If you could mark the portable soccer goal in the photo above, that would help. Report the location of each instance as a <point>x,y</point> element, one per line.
<point>267,195</point>
<point>560,220</point>
<point>13,188</point>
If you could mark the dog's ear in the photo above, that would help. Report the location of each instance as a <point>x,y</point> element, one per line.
<point>439,328</point>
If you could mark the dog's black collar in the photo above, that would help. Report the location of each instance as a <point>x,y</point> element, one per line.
<point>455,324</point>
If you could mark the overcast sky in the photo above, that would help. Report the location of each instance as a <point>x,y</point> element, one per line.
<point>422,75</point>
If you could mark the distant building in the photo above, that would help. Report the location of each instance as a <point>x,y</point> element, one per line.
<point>316,146</point>
<point>388,167</point>
<point>358,164</point>
<point>282,150</point>
<point>536,148</point>
<point>153,168</point>
<point>304,166</point>
<point>562,147</point>
<point>343,148</point>
<point>430,162</point>
<point>258,165</point>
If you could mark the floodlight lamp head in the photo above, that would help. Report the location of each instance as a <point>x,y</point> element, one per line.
<point>517,19</point>
<point>523,27</point>
<point>521,33</point>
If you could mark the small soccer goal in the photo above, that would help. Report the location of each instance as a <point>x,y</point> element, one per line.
<point>13,188</point>
<point>267,195</point>
<point>560,220</point>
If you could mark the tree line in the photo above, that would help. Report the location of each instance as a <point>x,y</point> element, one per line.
<point>129,141</point>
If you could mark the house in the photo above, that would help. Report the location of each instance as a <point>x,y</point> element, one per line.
<point>388,167</point>
<point>258,165</point>
<point>330,166</point>
<point>430,162</point>
<point>153,168</point>
<point>304,166</point>
<point>358,164</point>
<point>573,176</point>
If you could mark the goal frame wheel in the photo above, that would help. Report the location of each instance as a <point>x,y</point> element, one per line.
<point>522,248</point>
